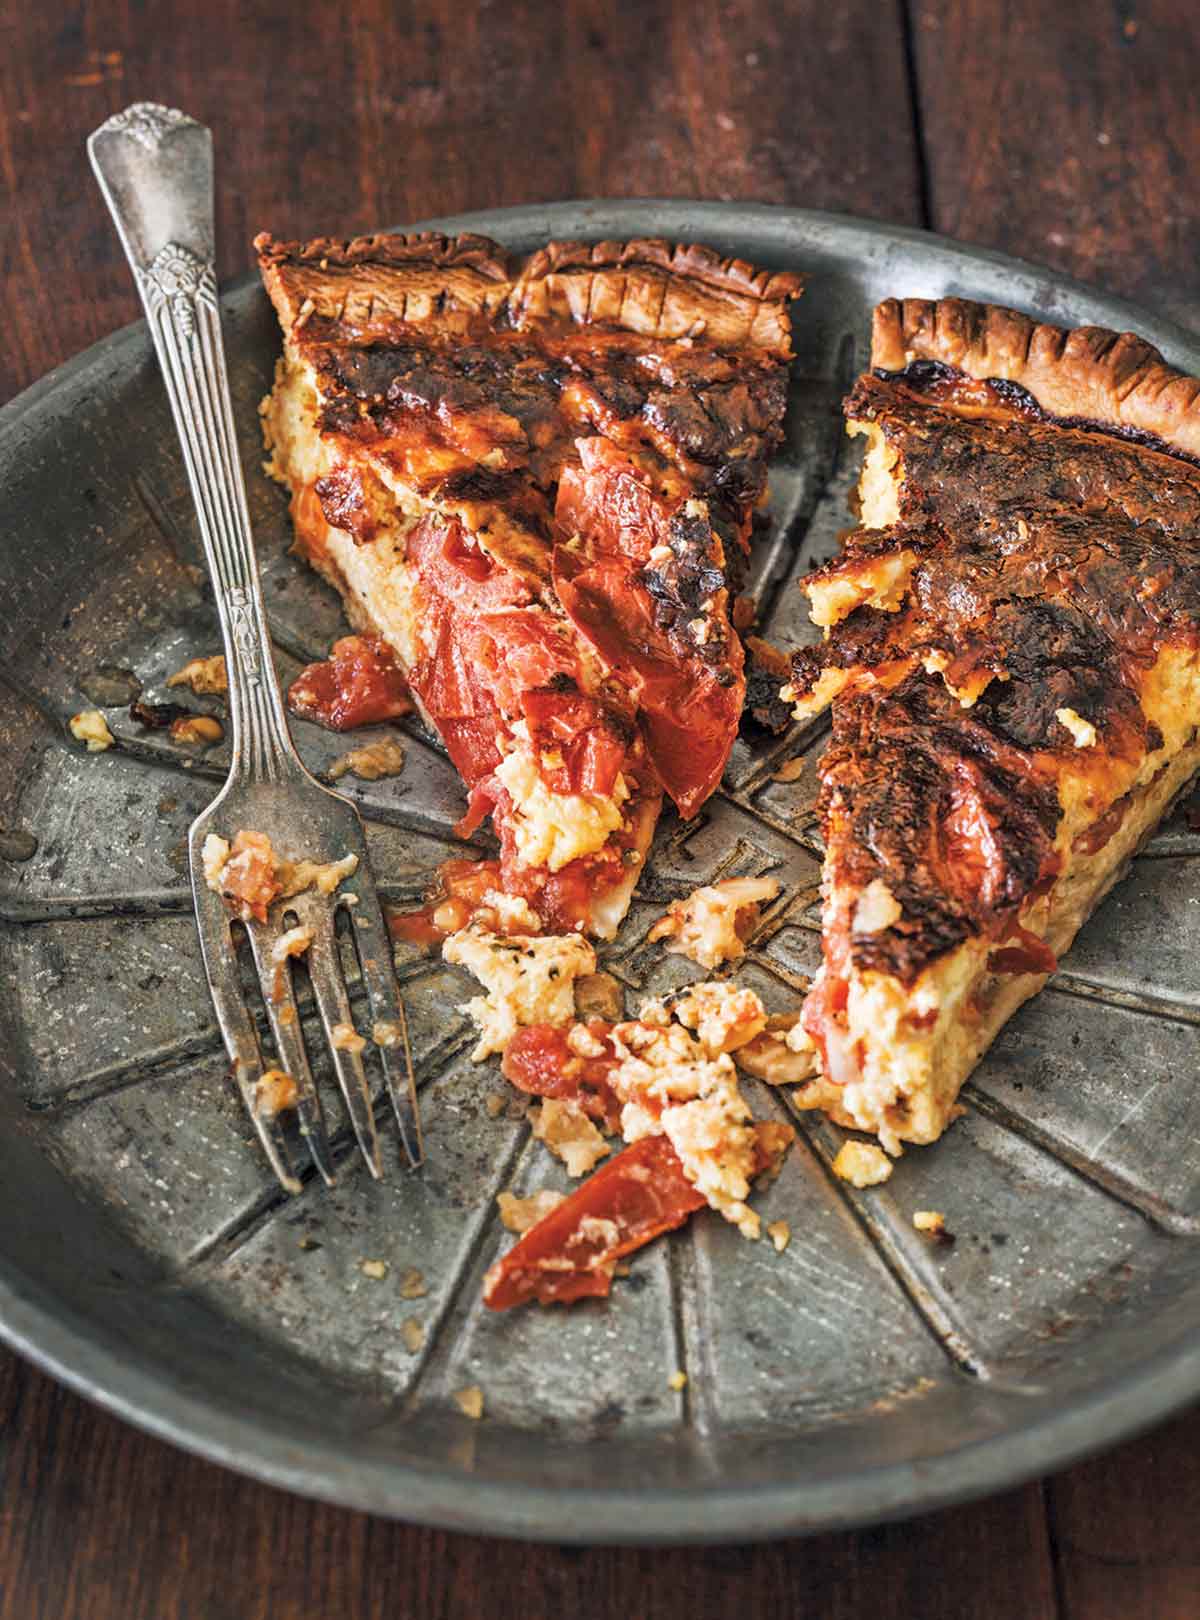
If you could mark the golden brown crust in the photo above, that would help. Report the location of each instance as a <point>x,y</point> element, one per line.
<point>654,289</point>
<point>367,285</point>
<point>1089,374</point>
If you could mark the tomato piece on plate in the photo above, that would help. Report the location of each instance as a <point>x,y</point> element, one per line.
<point>571,1252</point>
<point>359,684</point>
<point>539,1062</point>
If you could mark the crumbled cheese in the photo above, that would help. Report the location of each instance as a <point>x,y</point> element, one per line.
<point>668,1082</point>
<point>551,829</point>
<point>513,913</point>
<point>528,978</point>
<point>469,1401</point>
<point>780,1234</point>
<point>520,1214</point>
<point>1083,731</point>
<point>297,876</point>
<point>294,943</point>
<point>90,727</point>
<point>345,1038</point>
<point>214,853</point>
<point>782,1054</point>
<point>377,1270</point>
<point>877,909</point>
<point>713,923</point>
<point>569,1134</point>
<point>862,1164</point>
<point>723,1015</point>
<point>583,1043</point>
<point>371,761</point>
<point>929,1220</point>
<point>205,676</point>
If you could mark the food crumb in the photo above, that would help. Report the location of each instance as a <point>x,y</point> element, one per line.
<point>862,1164</point>
<point>412,1284</point>
<point>207,677</point>
<point>519,1214</point>
<point>494,1104</point>
<point>197,728</point>
<point>933,1223</point>
<point>309,1244</point>
<point>413,1334</point>
<point>780,1234</point>
<point>677,1381</point>
<point>469,1401</point>
<point>791,769</point>
<point>89,726</point>
<point>345,1038</point>
<point>372,761</point>
<point>377,1270</point>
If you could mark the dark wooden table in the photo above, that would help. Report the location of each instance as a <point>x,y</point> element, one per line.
<point>1059,133</point>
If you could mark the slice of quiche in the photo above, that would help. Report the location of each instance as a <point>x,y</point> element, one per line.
<point>1013,657</point>
<point>535,481</point>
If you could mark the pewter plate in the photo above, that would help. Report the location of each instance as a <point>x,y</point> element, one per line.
<point>148,1259</point>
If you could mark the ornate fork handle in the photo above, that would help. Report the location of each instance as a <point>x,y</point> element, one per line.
<point>154,166</point>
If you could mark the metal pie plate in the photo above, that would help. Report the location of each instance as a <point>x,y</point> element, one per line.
<point>148,1258</point>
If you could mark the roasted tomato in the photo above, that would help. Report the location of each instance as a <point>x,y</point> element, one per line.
<point>539,1061</point>
<point>570,1254</point>
<point>359,684</point>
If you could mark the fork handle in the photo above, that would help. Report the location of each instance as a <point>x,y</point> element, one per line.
<point>154,166</point>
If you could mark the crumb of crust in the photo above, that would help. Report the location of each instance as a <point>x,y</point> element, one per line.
<point>294,943</point>
<point>469,1401</point>
<point>933,1223</point>
<point>412,1284</point>
<point>780,1234</point>
<point>569,1134</point>
<point>677,1381</point>
<point>412,1331</point>
<point>599,995</point>
<point>519,1214</point>
<point>207,677</point>
<point>494,1104</point>
<point>200,729</point>
<point>782,1054</point>
<point>529,979</point>
<point>273,1092</point>
<point>345,1038</point>
<point>377,1270</point>
<point>791,770</point>
<point>89,726</point>
<point>862,1164</point>
<point>713,923</point>
<point>370,762</point>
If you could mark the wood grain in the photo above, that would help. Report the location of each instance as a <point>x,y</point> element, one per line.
<point>1067,134</point>
<point>346,119</point>
<point>99,1521</point>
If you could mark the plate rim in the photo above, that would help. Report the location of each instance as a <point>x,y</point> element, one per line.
<point>139,1390</point>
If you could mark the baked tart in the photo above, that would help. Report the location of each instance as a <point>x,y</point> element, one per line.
<point>1012,654</point>
<point>533,482</point>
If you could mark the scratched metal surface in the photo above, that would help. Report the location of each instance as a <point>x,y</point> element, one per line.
<point>148,1257</point>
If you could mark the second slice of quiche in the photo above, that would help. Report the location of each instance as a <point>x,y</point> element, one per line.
<point>1013,657</point>
<point>535,481</point>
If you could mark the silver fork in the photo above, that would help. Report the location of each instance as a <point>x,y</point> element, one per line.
<point>154,166</point>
